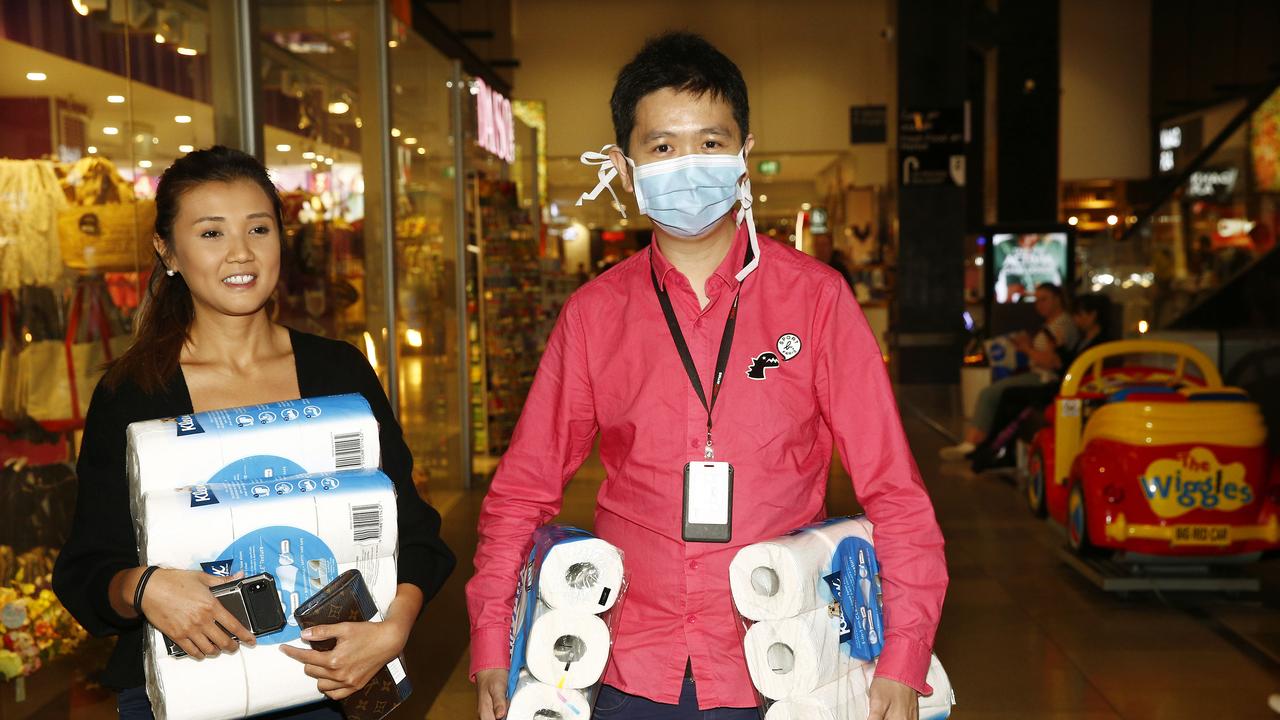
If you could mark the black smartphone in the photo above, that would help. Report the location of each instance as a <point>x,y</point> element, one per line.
<point>253,601</point>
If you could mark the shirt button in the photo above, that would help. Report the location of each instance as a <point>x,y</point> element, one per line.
<point>694,443</point>
<point>690,619</point>
<point>693,564</point>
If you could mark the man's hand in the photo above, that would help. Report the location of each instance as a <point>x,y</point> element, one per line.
<point>891,700</point>
<point>363,648</point>
<point>491,689</point>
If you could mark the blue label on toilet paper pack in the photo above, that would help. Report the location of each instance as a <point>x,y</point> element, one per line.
<point>544,538</point>
<point>188,425</point>
<point>855,583</point>
<point>301,563</point>
<point>260,418</point>
<point>203,495</point>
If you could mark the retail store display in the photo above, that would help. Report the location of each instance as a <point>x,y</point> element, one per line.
<point>813,626</point>
<point>34,627</point>
<point>510,289</point>
<point>567,647</point>
<point>31,198</point>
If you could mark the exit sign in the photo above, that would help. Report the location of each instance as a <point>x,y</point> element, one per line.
<point>769,167</point>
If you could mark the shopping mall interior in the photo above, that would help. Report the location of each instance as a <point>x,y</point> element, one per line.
<point>428,157</point>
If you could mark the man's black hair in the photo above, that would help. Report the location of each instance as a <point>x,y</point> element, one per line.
<point>684,62</point>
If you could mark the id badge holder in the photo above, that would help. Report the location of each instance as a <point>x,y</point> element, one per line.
<point>708,502</point>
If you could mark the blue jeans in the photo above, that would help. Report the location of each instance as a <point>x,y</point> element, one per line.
<point>613,704</point>
<point>133,704</point>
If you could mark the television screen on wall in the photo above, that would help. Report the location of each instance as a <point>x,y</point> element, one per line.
<point>1021,261</point>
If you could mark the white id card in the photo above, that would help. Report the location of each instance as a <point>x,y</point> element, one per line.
<point>708,501</point>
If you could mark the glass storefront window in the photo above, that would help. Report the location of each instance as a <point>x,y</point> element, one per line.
<point>426,251</point>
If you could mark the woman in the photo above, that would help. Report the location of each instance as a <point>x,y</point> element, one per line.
<point>1042,350</point>
<point>204,341</point>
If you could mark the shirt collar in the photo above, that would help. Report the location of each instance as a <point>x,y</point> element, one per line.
<point>727,271</point>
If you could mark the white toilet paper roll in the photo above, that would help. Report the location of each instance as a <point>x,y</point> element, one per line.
<point>844,699</point>
<point>189,689</point>
<point>379,576</point>
<point>793,656</point>
<point>173,534</point>
<point>784,577</point>
<point>362,525</point>
<point>275,680</point>
<point>313,435</point>
<point>584,575</point>
<point>937,705</point>
<point>567,648</point>
<point>534,700</point>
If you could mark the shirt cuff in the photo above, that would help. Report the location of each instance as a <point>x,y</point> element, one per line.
<point>906,661</point>
<point>490,649</point>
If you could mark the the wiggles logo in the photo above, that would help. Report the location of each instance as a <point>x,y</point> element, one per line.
<point>1195,480</point>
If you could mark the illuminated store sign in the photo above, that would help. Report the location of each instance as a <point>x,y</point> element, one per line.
<point>1178,144</point>
<point>495,123</point>
<point>1212,183</point>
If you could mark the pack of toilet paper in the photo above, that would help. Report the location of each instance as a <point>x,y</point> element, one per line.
<point>305,530</point>
<point>261,442</point>
<point>561,630</point>
<point>813,623</point>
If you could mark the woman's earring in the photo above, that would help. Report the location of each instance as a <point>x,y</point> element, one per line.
<point>170,272</point>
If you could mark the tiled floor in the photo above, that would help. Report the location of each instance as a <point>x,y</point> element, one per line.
<point>1023,636</point>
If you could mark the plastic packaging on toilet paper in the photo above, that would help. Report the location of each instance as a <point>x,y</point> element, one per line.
<point>535,700</point>
<point>584,575</point>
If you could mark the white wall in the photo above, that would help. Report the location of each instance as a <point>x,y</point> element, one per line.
<point>1106,80</point>
<point>805,63</point>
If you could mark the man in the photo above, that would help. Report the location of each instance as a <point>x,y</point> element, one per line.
<point>800,364</point>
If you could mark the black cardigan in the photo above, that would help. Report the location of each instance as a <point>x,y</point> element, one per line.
<point>102,541</point>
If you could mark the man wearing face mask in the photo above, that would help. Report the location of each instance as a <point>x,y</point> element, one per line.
<point>717,369</point>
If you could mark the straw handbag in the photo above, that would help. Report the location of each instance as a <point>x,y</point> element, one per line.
<point>114,236</point>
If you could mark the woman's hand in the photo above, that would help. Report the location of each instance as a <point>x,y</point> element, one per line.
<point>179,604</point>
<point>363,648</point>
<point>491,689</point>
<point>891,700</point>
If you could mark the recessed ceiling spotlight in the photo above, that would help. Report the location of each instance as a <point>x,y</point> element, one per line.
<point>37,76</point>
<point>115,99</point>
<point>182,119</point>
<point>186,148</point>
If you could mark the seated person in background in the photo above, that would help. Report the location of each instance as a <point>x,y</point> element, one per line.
<point>1042,349</point>
<point>1020,407</point>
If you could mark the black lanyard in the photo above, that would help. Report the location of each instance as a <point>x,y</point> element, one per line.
<point>722,358</point>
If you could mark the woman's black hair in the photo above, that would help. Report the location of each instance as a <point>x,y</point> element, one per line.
<point>682,61</point>
<point>1099,305</point>
<point>165,315</point>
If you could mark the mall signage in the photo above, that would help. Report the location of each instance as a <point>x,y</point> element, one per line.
<point>1217,183</point>
<point>931,146</point>
<point>1177,144</point>
<point>495,123</point>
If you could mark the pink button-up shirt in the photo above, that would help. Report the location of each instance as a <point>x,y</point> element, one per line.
<point>611,368</point>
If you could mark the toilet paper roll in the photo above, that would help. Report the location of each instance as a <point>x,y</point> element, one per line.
<point>361,526</point>
<point>802,708</point>
<point>784,577</point>
<point>258,441</point>
<point>844,699</point>
<point>379,576</point>
<point>937,705</point>
<point>535,700</point>
<point>189,689</point>
<point>567,648</point>
<point>583,575</point>
<point>794,656</point>
<point>275,680</point>
<point>173,534</point>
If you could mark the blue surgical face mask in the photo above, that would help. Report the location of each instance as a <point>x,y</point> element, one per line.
<point>686,195</point>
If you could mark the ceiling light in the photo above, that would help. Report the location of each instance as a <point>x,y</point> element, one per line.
<point>308,155</point>
<point>359,123</point>
<point>80,7</point>
<point>144,163</point>
<point>422,151</point>
<point>395,132</point>
<point>764,198</point>
<point>1112,219</point>
<point>93,149</point>
<point>182,119</point>
<point>411,141</point>
<point>186,148</point>
<point>115,99</point>
<point>159,39</point>
<point>338,107</point>
<point>109,130</point>
<point>319,157</point>
<point>37,76</point>
<point>283,147</point>
<point>806,207</point>
<point>155,140</point>
<point>139,137</point>
<point>189,52</point>
<point>328,161</point>
<point>314,166</point>
<point>393,43</point>
<point>1073,221</point>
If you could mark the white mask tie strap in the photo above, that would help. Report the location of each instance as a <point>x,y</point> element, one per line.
<point>605,174</point>
<point>744,213</point>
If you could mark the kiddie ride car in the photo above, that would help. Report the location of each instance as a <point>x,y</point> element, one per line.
<point>1155,460</point>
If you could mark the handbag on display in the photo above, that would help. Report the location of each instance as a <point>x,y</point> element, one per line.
<point>10,350</point>
<point>57,377</point>
<point>115,236</point>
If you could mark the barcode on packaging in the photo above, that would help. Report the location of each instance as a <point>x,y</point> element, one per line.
<point>348,450</point>
<point>366,522</point>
